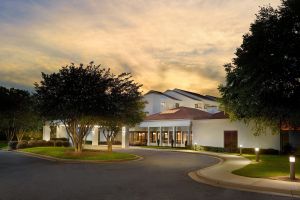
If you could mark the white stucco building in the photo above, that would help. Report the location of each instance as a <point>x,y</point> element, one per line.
<point>179,118</point>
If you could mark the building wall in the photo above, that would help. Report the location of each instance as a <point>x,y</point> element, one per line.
<point>211,133</point>
<point>189,102</point>
<point>154,103</point>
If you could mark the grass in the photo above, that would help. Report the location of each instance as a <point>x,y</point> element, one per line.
<point>3,144</point>
<point>268,166</point>
<point>68,153</point>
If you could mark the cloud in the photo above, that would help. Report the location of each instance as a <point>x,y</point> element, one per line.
<point>164,44</point>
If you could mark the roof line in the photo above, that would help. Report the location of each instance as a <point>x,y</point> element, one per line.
<point>154,91</point>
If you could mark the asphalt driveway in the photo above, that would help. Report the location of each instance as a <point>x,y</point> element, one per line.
<point>160,175</point>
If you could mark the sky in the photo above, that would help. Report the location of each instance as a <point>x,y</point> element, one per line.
<point>165,44</point>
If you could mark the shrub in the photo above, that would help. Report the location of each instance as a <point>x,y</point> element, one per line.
<point>61,139</point>
<point>51,143</point>
<point>66,143</point>
<point>12,145</point>
<point>59,143</point>
<point>22,144</point>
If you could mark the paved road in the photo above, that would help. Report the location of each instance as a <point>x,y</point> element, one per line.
<point>161,175</point>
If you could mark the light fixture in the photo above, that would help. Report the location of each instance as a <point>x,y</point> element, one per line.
<point>257,154</point>
<point>241,147</point>
<point>292,167</point>
<point>292,159</point>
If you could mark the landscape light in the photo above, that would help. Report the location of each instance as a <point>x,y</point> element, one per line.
<point>241,147</point>
<point>257,154</point>
<point>292,167</point>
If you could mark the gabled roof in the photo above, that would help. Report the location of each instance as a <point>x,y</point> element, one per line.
<point>219,115</point>
<point>194,95</point>
<point>160,93</point>
<point>180,113</point>
<point>185,113</point>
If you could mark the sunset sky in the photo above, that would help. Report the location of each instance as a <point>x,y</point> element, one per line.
<point>165,44</point>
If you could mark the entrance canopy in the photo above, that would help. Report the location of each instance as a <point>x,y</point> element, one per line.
<point>165,123</point>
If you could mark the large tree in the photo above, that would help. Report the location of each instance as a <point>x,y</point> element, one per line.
<point>17,113</point>
<point>80,97</point>
<point>125,108</point>
<point>263,80</point>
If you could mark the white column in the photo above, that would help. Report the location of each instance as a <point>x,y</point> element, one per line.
<point>174,134</point>
<point>125,137</point>
<point>189,136</point>
<point>148,136</point>
<point>46,132</point>
<point>160,137</point>
<point>95,136</point>
<point>168,137</point>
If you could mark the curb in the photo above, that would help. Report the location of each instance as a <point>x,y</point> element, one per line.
<point>50,158</point>
<point>200,177</point>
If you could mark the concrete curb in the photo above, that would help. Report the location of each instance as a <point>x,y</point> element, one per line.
<point>232,181</point>
<point>49,158</point>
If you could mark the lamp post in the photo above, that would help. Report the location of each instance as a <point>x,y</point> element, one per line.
<point>257,154</point>
<point>195,146</point>
<point>292,167</point>
<point>241,149</point>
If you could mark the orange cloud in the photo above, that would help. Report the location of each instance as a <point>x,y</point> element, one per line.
<point>164,44</point>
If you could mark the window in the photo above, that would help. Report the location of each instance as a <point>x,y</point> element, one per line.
<point>199,105</point>
<point>176,105</point>
<point>163,104</point>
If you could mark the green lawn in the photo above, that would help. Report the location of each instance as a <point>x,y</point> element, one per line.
<point>269,166</point>
<point>3,144</point>
<point>68,153</point>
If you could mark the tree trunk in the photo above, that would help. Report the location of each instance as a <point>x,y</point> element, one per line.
<point>78,147</point>
<point>109,145</point>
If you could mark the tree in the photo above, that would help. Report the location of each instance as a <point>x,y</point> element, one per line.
<point>17,113</point>
<point>125,108</point>
<point>263,80</point>
<point>79,97</point>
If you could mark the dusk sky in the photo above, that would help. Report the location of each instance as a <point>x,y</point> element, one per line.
<point>165,44</point>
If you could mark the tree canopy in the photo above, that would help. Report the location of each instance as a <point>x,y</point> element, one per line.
<point>263,80</point>
<point>83,96</point>
<point>17,113</point>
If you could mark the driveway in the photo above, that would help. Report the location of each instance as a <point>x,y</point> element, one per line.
<point>160,175</point>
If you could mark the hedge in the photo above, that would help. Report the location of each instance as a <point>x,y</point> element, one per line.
<point>37,143</point>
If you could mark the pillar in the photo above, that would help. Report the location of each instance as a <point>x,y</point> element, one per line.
<point>95,136</point>
<point>160,137</point>
<point>46,132</point>
<point>148,136</point>
<point>189,136</point>
<point>125,137</point>
<point>174,135</point>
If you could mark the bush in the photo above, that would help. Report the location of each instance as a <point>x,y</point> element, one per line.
<point>245,150</point>
<point>12,145</point>
<point>61,139</point>
<point>66,143</point>
<point>51,143</point>
<point>58,143</point>
<point>22,144</point>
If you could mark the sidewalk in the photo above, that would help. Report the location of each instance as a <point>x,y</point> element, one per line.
<point>220,175</point>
